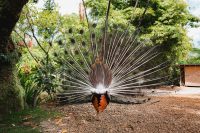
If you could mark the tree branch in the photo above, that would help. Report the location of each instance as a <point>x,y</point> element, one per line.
<point>33,33</point>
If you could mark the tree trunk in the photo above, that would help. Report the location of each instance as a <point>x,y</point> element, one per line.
<point>11,93</point>
<point>11,96</point>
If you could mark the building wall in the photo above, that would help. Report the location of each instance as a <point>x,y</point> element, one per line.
<point>192,75</point>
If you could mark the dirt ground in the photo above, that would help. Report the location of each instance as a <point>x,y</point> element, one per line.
<point>166,114</point>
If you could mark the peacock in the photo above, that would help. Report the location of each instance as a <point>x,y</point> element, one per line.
<point>113,63</point>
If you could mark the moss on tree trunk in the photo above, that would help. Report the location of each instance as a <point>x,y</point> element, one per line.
<point>11,95</point>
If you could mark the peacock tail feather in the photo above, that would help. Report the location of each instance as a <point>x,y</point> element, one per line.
<point>98,64</point>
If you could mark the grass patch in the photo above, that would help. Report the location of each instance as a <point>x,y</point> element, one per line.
<point>26,121</point>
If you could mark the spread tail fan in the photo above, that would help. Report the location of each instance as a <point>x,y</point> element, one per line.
<point>97,65</point>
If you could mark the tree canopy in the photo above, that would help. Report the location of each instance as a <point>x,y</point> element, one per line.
<point>163,24</point>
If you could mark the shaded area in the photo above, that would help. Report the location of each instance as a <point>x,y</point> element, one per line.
<point>127,99</point>
<point>26,121</point>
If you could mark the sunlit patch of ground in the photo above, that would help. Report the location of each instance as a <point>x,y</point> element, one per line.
<point>190,92</point>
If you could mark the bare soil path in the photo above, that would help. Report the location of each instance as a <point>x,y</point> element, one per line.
<point>166,114</point>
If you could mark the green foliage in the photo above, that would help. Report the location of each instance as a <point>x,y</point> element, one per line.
<point>49,5</point>
<point>163,24</point>
<point>195,52</point>
<point>117,18</point>
<point>30,71</point>
<point>49,32</point>
<point>47,23</point>
<point>194,60</point>
<point>193,57</point>
<point>35,77</point>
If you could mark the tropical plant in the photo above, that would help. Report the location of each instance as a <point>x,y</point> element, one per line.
<point>47,31</point>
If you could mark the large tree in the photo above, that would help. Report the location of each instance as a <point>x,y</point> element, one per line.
<point>11,94</point>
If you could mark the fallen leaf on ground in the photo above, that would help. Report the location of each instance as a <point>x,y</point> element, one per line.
<point>64,131</point>
<point>58,121</point>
